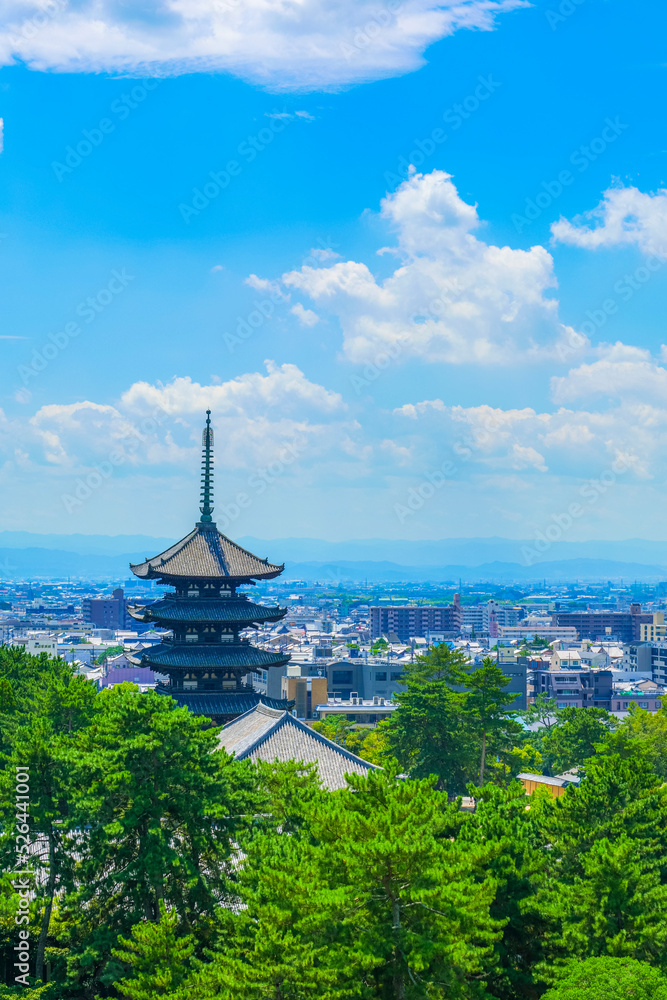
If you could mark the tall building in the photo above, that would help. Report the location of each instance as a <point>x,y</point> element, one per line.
<point>625,626</point>
<point>413,620</point>
<point>206,659</point>
<point>106,612</point>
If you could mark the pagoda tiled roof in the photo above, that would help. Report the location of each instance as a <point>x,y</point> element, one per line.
<point>199,656</point>
<point>234,609</point>
<point>273,734</point>
<point>206,554</point>
<point>223,702</point>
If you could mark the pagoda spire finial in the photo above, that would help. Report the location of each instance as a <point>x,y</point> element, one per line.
<point>207,472</point>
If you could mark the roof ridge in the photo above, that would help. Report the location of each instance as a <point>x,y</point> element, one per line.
<point>288,719</point>
<point>247,552</point>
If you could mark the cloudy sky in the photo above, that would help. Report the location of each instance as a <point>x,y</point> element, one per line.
<point>412,255</point>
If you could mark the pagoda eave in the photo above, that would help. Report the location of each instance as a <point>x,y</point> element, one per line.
<point>212,656</point>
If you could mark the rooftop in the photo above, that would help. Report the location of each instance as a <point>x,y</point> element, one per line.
<point>271,735</point>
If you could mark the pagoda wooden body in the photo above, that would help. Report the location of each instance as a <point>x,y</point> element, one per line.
<point>206,657</point>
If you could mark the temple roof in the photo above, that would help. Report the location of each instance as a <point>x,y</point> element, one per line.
<point>270,734</point>
<point>206,554</point>
<point>222,702</point>
<point>200,656</point>
<point>233,610</point>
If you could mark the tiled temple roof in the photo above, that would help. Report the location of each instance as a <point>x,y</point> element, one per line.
<point>270,734</point>
<point>206,554</point>
<point>222,702</point>
<point>199,656</point>
<point>234,609</point>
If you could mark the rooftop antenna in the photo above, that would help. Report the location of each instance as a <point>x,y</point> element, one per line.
<point>207,472</point>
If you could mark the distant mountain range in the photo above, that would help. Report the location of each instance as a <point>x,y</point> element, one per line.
<point>28,556</point>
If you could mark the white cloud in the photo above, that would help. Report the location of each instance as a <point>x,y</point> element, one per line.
<point>625,216</point>
<point>569,443</point>
<point>2,135</point>
<point>452,297</point>
<point>635,378</point>
<point>265,285</point>
<point>283,44</point>
<point>255,415</point>
<point>305,316</point>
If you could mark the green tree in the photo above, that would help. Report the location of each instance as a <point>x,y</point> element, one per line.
<point>37,748</point>
<point>65,704</point>
<point>602,886</point>
<point>428,733</point>
<point>161,807</point>
<point>374,899</point>
<point>158,955</point>
<point>575,737</point>
<point>513,839</point>
<point>608,979</point>
<point>485,705</point>
<point>542,713</point>
<point>641,734</point>
<point>366,742</point>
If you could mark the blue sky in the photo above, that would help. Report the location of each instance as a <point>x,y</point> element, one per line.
<point>456,350</point>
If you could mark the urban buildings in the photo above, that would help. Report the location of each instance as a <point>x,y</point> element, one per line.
<point>106,612</point>
<point>596,625</point>
<point>414,620</point>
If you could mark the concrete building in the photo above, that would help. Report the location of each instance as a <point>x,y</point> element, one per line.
<point>306,693</point>
<point>575,687</point>
<point>472,618</point>
<point>548,632</point>
<point>625,626</point>
<point>37,643</point>
<point>413,620</point>
<point>364,712</point>
<point>106,612</point>
<point>645,694</point>
<point>648,631</point>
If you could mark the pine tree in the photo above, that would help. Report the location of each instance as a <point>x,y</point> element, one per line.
<point>608,979</point>
<point>485,706</point>
<point>158,955</point>
<point>373,899</point>
<point>427,733</point>
<point>159,807</point>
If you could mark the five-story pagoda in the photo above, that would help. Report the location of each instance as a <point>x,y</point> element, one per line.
<point>205,659</point>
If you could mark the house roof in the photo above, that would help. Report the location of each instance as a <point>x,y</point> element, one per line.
<point>269,734</point>
<point>544,779</point>
<point>206,554</point>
